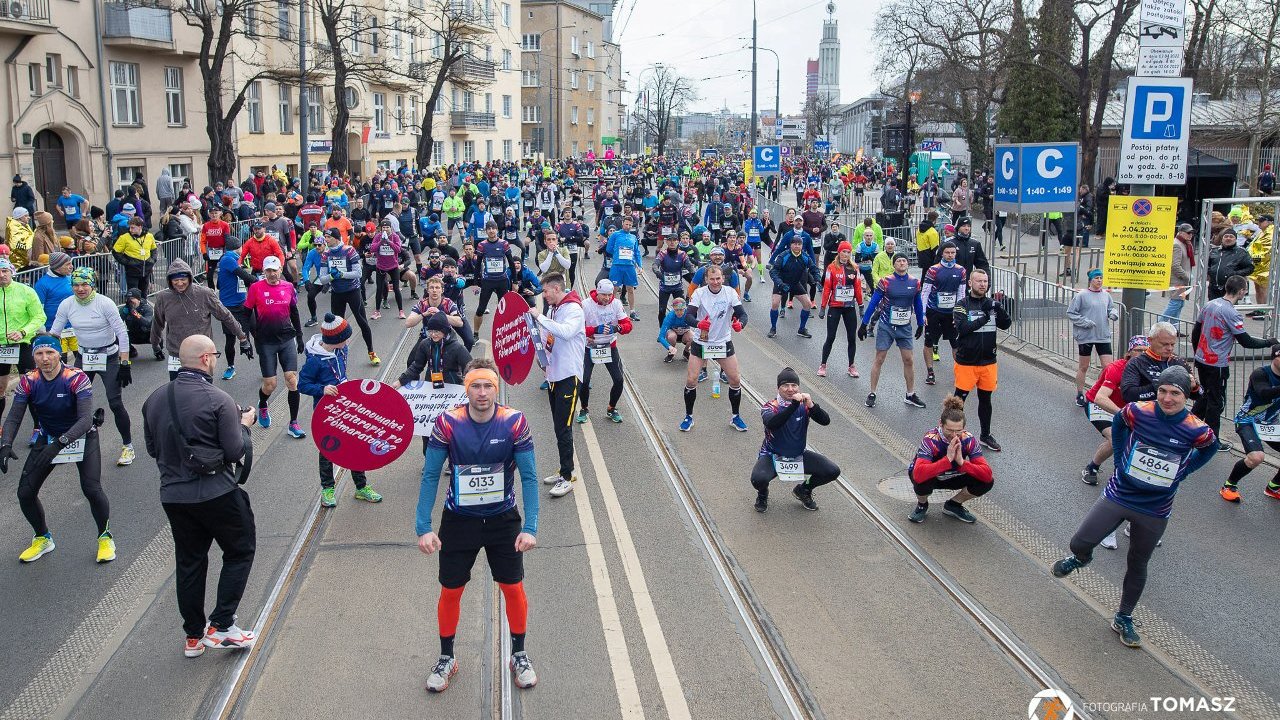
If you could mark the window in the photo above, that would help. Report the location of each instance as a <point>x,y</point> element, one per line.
<point>396,40</point>
<point>413,45</point>
<point>124,94</point>
<point>488,102</point>
<point>469,151</point>
<point>379,112</point>
<point>250,19</point>
<point>468,101</point>
<point>506,106</point>
<point>591,116</point>
<point>283,31</point>
<point>437,45</point>
<point>126,174</point>
<point>73,81</point>
<point>53,70</point>
<point>180,172</point>
<point>573,45</point>
<point>373,35</point>
<point>591,49</point>
<point>286,108</point>
<point>455,150</point>
<point>531,114</point>
<point>34,78</point>
<point>506,59</point>
<point>355,36</point>
<point>437,151</point>
<point>537,136</point>
<point>488,151</point>
<point>573,115</point>
<point>575,147</point>
<point>253,106</point>
<point>506,150</point>
<point>315,108</point>
<point>531,42</point>
<point>174,109</point>
<point>506,14</point>
<point>530,78</point>
<point>413,114</point>
<point>400,114</point>
<point>591,82</point>
<point>488,53</point>
<point>573,79</point>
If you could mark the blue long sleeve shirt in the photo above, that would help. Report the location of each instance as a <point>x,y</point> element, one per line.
<point>671,322</point>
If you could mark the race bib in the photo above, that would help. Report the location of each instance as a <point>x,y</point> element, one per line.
<point>71,453</point>
<point>899,315</point>
<point>174,363</point>
<point>68,333</point>
<point>1153,465</point>
<point>844,293</point>
<point>626,254</point>
<point>386,251</point>
<point>714,351</point>
<point>753,235</point>
<point>574,250</point>
<point>240,288</point>
<point>946,300</point>
<point>93,362</point>
<point>608,211</point>
<point>339,264</point>
<point>494,266</point>
<point>670,279</point>
<point>714,226</point>
<point>601,355</point>
<point>790,470</point>
<point>215,253</point>
<point>667,230</point>
<point>9,354</point>
<point>1269,433</point>
<point>478,484</point>
<point>1097,414</point>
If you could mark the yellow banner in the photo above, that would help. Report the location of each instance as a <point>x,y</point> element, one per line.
<point>746,170</point>
<point>1139,250</point>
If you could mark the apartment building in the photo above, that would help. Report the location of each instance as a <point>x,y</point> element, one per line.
<point>570,79</point>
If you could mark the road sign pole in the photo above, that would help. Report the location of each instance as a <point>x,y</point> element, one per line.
<point>1134,299</point>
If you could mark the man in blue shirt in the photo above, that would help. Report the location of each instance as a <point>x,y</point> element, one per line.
<point>71,206</point>
<point>623,249</point>
<point>890,308</point>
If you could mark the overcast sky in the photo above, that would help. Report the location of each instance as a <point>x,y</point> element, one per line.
<point>684,32</point>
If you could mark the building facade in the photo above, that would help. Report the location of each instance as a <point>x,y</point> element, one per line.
<point>829,58</point>
<point>810,80</point>
<point>859,126</point>
<point>570,79</point>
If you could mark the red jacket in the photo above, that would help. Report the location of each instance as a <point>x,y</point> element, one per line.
<point>837,276</point>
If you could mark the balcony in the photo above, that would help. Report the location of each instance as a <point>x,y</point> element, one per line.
<point>129,24</point>
<point>463,122</point>
<point>25,17</point>
<point>473,71</point>
<point>470,15</point>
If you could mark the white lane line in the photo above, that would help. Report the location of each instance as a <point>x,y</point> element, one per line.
<point>615,641</point>
<point>659,650</point>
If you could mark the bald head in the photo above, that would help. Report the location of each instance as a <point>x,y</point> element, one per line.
<point>194,353</point>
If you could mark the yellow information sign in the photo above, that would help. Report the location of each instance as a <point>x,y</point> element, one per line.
<point>746,170</point>
<point>1139,251</point>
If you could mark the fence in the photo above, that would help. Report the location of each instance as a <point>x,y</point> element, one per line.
<point>1039,312</point>
<point>111,275</point>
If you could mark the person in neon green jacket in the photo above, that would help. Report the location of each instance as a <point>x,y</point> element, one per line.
<point>882,266</point>
<point>453,210</point>
<point>21,317</point>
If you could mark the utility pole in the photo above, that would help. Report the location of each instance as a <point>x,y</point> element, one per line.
<point>907,137</point>
<point>304,166</point>
<point>753,74</point>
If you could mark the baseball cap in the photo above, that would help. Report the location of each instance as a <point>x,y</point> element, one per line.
<point>1185,227</point>
<point>271,262</point>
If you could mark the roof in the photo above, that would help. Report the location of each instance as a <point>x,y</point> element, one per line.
<point>1205,114</point>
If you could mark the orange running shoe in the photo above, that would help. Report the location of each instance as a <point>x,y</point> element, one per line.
<point>1230,493</point>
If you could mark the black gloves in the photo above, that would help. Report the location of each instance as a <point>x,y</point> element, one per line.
<point>124,375</point>
<point>44,454</point>
<point>6,454</point>
<point>246,348</point>
<point>301,348</point>
<point>919,331</point>
<point>862,333</point>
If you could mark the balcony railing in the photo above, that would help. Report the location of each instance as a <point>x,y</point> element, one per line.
<point>35,12</point>
<point>131,21</point>
<point>461,120</point>
<point>474,70</point>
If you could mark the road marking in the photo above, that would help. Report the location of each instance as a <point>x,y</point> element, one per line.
<point>624,679</point>
<point>659,650</point>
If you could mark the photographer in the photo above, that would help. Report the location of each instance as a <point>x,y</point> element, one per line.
<point>200,440</point>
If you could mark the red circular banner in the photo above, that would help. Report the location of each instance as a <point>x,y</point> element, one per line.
<point>367,425</point>
<point>513,343</point>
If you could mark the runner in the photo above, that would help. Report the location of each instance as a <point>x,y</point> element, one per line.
<point>563,331</point>
<point>341,272</point>
<point>1142,372</point>
<point>494,255</point>
<point>675,330</point>
<point>385,247</point>
<point>784,453</point>
<point>943,283</point>
<point>893,301</point>
<point>1159,444</point>
<point>61,402</point>
<point>949,458</point>
<point>671,265</point>
<point>1091,313</point>
<point>213,242</point>
<point>233,286</point>
<point>277,330</point>
<point>975,318</point>
<point>1104,401</point>
<point>1218,328</point>
<point>792,273</point>
<point>439,353</point>
<point>481,440</point>
<point>23,317</point>
<point>185,309</point>
<point>326,368</point>
<point>717,312</point>
<point>841,289</point>
<point>1256,423</point>
<point>434,301</point>
<point>605,319</point>
<point>623,249</point>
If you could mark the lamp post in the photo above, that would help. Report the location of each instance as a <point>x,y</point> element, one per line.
<point>777,94</point>
<point>754,118</point>
<point>644,133</point>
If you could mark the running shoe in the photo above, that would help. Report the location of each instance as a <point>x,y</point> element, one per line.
<point>1080,401</point>
<point>295,430</point>
<point>1272,491</point>
<point>41,545</point>
<point>746,297</point>
<point>871,400</point>
<point>702,375</point>
<point>782,313</point>
<point>762,501</point>
<point>229,373</point>
<point>376,315</point>
<point>127,456</point>
<point>687,424</point>
<point>194,647</point>
<point>552,479</point>
<point>1123,624</point>
<point>401,314</point>
<point>264,417</point>
<point>913,400</point>
<point>562,488</point>
<point>670,357</point>
<point>368,495</point>
<point>1089,476</point>
<point>613,415</point>
<point>989,443</point>
<point>724,376</point>
<point>1230,493</point>
<point>936,356</point>
<point>522,671</point>
<point>1109,542</point>
<point>773,332</point>
<point>738,423</point>
<point>1066,566</point>
<point>327,499</point>
<point>918,515</point>
<point>233,638</point>
<point>635,317</point>
<point>804,333</point>
<point>805,497</point>
<point>958,511</point>
<point>583,415</point>
<point>106,548</point>
<point>311,323</point>
<point>545,385</point>
<point>929,379</point>
<point>374,359</point>
<point>822,370</point>
<point>1225,445</point>
<point>853,371</point>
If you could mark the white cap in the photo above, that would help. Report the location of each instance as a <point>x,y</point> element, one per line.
<point>604,287</point>
<point>271,262</point>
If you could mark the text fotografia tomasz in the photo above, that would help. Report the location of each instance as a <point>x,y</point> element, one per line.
<point>1164,704</point>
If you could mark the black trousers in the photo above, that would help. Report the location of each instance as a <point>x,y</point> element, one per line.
<point>353,299</point>
<point>835,315</point>
<point>326,473</point>
<point>228,521</point>
<point>819,469</point>
<point>90,471</point>
<point>1213,394</point>
<point>114,401</point>
<point>563,395</point>
<point>614,367</point>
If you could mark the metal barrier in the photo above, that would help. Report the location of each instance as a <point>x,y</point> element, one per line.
<point>1039,312</point>
<point>112,281</point>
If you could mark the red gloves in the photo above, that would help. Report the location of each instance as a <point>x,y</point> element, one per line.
<point>704,324</point>
<point>737,325</point>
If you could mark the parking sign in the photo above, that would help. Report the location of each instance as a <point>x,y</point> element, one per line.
<point>1156,135</point>
<point>767,160</point>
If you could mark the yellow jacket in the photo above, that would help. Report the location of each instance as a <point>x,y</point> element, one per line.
<point>1260,251</point>
<point>928,239</point>
<point>138,248</point>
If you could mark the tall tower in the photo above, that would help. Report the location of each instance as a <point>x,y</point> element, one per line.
<point>829,58</point>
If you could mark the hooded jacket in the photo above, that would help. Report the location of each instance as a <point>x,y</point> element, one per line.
<point>179,315</point>
<point>449,356</point>
<point>323,367</point>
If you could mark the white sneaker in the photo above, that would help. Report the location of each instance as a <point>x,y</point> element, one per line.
<point>552,479</point>
<point>1126,534</point>
<point>231,638</point>
<point>1109,542</point>
<point>446,667</point>
<point>562,488</point>
<point>522,671</point>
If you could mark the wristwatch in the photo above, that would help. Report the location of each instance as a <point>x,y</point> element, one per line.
<point>63,440</point>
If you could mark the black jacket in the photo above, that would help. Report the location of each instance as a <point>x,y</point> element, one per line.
<point>209,419</point>
<point>1225,262</point>
<point>970,255</point>
<point>975,338</point>
<point>449,356</point>
<point>1140,375</point>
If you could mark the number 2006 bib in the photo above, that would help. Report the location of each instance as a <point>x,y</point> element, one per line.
<point>479,484</point>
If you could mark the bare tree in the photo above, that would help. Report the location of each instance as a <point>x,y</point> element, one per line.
<point>1257,29</point>
<point>228,31</point>
<point>667,94</point>
<point>820,116</point>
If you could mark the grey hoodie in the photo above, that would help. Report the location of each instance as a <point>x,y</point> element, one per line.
<point>1089,313</point>
<point>179,315</point>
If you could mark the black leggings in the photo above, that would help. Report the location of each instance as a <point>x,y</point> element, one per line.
<point>615,372</point>
<point>114,401</point>
<point>664,297</point>
<point>849,314</point>
<point>1145,532</point>
<point>90,469</point>
<point>312,291</point>
<point>984,408</point>
<point>490,288</point>
<point>816,465</point>
<point>386,277</point>
<point>231,342</point>
<point>352,299</point>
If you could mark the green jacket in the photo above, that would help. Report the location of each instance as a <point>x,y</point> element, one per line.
<point>453,207</point>
<point>881,267</point>
<point>20,310</point>
<point>704,250</point>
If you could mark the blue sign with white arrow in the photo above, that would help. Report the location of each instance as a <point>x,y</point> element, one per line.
<point>766,160</point>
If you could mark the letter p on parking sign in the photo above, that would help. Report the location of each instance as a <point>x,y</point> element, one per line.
<point>1157,121</point>
<point>1160,113</point>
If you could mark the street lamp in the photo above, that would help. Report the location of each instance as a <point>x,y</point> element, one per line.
<point>777,95</point>
<point>640,85</point>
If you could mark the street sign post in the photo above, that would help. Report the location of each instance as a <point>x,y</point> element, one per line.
<point>821,146</point>
<point>1156,133</point>
<point>1161,33</point>
<point>766,160</point>
<point>931,146</point>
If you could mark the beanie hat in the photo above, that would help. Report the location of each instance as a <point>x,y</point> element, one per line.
<point>58,259</point>
<point>43,218</point>
<point>844,246</point>
<point>334,330</point>
<point>1177,376</point>
<point>1094,273</point>
<point>437,321</point>
<point>1139,342</point>
<point>788,376</point>
<point>20,212</point>
<point>232,241</point>
<point>46,341</point>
